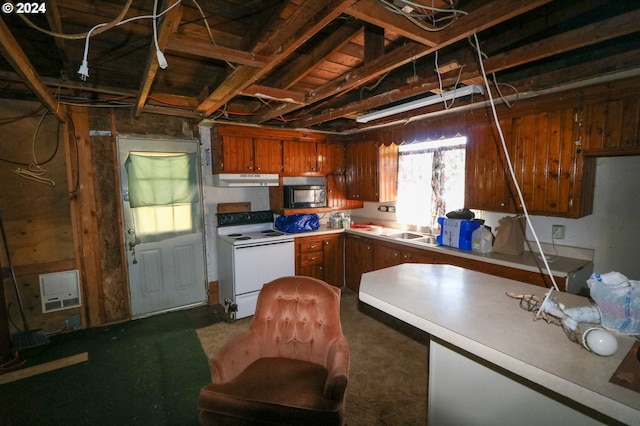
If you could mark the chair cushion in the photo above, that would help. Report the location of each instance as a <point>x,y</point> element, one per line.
<point>276,391</point>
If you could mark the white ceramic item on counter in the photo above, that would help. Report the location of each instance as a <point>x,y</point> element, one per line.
<point>600,341</point>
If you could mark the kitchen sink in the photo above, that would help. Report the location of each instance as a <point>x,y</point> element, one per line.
<point>405,236</point>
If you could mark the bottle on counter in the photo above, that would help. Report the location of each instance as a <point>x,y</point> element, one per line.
<point>481,240</point>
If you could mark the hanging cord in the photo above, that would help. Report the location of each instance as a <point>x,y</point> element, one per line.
<point>34,171</point>
<point>84,67</point>
<point>13,274</point>
<point>455,86</point>
<point>493,74</point>
<point>515,181</point>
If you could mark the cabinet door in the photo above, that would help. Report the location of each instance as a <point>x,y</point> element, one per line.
<point>333,251</point>
<point>486,174</point>
<point>267,154</point>
<point>331,157</point>
<point>372,171</point>
<point>337,194</point>
<point>386,257</point>
<point>612,126</point>
<point>359,258</point>
<point>548,166</point>
<point>235,154</point>
<point>299,157</point>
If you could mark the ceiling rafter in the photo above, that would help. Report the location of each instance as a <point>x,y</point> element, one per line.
<point>169,24</point>
<point>371,12</point>
<point>280,45</point>
<point>491,13</point>
<point>581,37</point>
<point>13,53</point>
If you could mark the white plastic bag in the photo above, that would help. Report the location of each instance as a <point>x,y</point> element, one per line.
<point>618,299</point>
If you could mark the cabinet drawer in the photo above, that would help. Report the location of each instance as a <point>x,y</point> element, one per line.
<point>311,246</point>
<point>308,259</point>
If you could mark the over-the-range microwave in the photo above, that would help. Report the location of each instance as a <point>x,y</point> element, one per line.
<point>304,196</point>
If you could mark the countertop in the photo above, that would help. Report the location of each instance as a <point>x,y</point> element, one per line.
<point>470,310</point>
<point>560,266</point>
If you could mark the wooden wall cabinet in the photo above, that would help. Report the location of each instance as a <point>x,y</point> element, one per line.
<point>371,171</point>
<point>300,157</point>
<point>337,194</point>
<point>555,178</point>
<point>331,158</point>
<point>321,257</point>
<point>611,126</point>
<point>244,154</point>
<point>486,175</point>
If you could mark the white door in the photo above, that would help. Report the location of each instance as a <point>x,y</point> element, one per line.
<point>162,218</point>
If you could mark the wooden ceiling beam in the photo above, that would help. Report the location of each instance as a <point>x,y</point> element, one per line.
<point>281,95</point>
<point>20,63</point>
<point>309,18</point>
<point>305,64</point>
<point>617,26</point>
<point>571,40</point>
<point>179,43</point>
<point>170,22</point>
<point>487,15</point>
<point>370,11</point>
<point>55,23</point>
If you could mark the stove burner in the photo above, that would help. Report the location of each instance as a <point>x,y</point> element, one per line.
<point>272,233</point>
<point>243,238</point>
<point>235,235</point>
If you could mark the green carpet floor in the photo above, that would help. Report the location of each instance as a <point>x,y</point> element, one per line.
<point>142,372</point>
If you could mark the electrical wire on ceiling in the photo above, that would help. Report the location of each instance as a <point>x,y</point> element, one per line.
<point>84,67</point>
<point>455,86</point>
<point>419,18</point>
<point>495,82</point>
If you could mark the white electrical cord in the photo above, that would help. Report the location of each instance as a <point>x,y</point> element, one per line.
<point>34,171</point>
<point>84,68</point>
<point>513,176</point>
<point>162,61</point>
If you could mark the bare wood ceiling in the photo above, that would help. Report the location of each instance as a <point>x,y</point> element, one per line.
<point>307,63</point>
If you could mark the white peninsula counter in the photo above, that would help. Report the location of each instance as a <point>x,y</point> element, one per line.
<point>521,367</point>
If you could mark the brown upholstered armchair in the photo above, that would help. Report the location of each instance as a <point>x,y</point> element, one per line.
<point>290,367</point>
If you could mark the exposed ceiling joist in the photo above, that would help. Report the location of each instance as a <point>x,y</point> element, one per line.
<point>307,63</point>
<point>16,57</point>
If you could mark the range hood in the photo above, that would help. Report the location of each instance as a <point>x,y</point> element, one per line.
<point>245,179</point>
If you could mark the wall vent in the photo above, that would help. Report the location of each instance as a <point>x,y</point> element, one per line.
<point>59,290</point>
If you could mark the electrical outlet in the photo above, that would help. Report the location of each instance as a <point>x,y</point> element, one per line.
<point>557,232</point>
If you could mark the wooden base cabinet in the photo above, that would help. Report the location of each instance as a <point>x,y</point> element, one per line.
<point>359,255</point>
<point>321,257</point>
<point>364,254</point>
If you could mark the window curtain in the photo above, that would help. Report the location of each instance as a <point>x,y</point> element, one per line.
<point>163,195</point>
<point>161,180</point>
<point>447,181</point>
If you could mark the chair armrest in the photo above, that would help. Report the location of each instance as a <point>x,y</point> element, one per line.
<point>234,357</point>
<point>338,361</point>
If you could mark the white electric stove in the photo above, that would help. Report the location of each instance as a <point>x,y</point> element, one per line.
<point>251,253</point>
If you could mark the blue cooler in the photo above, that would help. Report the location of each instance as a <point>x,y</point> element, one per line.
<point>456,232</point>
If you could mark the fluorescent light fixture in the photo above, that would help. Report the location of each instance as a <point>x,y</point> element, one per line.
<point>419,103</point>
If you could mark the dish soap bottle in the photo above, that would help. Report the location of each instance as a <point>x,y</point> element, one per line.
<point>481,240</point>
